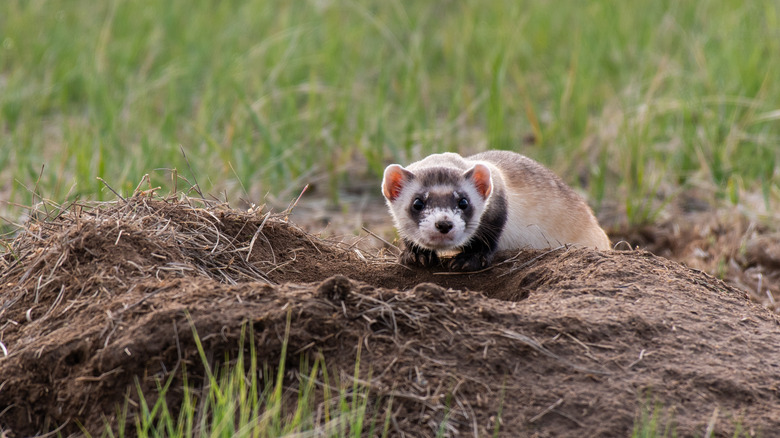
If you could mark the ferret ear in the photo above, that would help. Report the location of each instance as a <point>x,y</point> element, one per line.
<point>394,180</point>
<point>480,176</point>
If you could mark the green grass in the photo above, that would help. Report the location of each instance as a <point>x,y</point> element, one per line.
<point>622,98</point>
<point>243,399</point>
<point>655,421</point>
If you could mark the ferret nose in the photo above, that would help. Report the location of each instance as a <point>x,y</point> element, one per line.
<point>444,227</point>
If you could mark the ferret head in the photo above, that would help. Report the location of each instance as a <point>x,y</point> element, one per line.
<point>438,208</point>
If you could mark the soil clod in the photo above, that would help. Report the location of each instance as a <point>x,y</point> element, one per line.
<point>335,288</point>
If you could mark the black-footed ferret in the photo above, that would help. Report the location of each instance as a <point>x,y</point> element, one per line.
<point>492,201</point>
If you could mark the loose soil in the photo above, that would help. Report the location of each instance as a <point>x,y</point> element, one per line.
<point>559,343</point>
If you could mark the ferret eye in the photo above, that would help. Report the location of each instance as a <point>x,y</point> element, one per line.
<point>463,203</point>
<point>418,205</point>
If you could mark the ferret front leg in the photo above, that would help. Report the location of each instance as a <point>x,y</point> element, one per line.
<point>414,255</point>
<point>474,257</point>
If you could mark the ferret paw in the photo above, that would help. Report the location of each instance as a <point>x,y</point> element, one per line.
<point>421,258</point>
<point>469,262</point>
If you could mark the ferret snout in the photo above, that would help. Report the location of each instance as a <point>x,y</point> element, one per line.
<point>440,228</point>
<point>444,226</point>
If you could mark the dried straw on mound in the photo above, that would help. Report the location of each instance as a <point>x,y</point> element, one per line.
<point>178,234</point>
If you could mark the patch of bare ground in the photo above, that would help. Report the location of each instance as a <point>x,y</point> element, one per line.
<point>563,342</point>
<point>727,244</point>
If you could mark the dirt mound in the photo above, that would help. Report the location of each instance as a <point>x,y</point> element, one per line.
<point>561,343</point>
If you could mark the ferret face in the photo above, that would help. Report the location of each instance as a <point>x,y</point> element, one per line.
<point>437,208</point>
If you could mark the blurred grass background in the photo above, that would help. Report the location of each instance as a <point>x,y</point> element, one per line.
<point>630,101</point>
